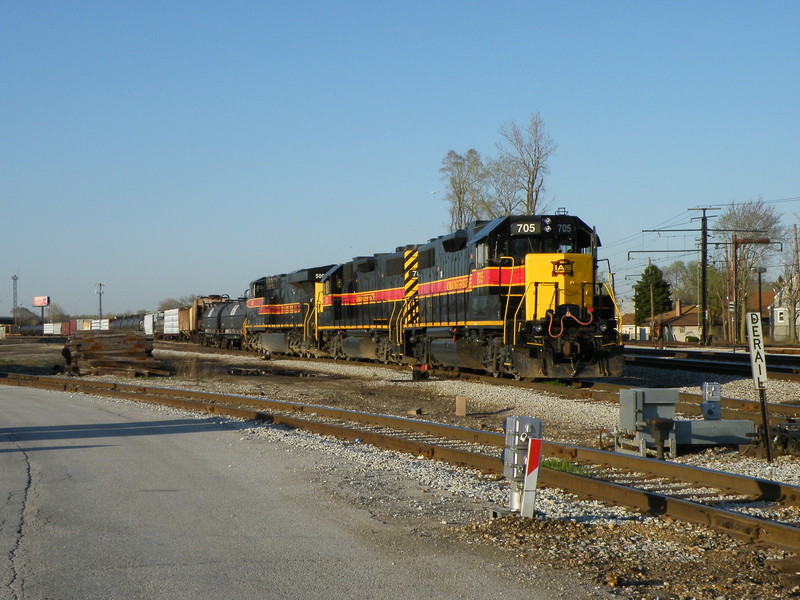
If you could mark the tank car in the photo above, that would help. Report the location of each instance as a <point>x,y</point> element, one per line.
<point>222,324</point>
<point>132,323</point>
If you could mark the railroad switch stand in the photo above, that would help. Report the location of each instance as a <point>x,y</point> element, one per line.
<point>647,423</point>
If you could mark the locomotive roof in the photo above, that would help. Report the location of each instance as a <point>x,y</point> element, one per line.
<point>482,229</point>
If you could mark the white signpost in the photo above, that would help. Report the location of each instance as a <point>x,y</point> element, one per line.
<point>758,362</point>
<point>531,477</point>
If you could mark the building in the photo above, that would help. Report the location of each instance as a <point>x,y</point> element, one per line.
<point>681,324</point>
<point>784,312</point>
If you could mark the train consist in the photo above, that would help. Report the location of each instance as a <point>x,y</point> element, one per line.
<point>515,296</point>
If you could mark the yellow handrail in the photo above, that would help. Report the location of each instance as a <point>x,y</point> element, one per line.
<point>616,308</point>
<point>508,295</point>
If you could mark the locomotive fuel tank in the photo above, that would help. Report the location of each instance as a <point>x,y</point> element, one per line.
<point>274,342</point>
<point>359,346</point>
<point>457,352</point>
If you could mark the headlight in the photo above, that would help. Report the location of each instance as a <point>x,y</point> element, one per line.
<point>606,326</point>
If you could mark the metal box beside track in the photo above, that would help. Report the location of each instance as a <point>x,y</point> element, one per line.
<point>647,423</point>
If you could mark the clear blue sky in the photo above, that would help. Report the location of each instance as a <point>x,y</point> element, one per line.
<point>176,148</point>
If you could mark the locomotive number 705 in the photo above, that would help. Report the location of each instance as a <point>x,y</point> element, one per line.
<point>523,228</point>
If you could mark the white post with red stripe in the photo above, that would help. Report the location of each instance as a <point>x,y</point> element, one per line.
<point>521,459</point>
<point>531,477</point>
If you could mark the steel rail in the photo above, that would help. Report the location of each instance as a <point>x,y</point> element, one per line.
<point>778,366</point>
<point>737,525</point>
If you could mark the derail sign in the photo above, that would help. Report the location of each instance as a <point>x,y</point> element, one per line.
<point>757,357</point>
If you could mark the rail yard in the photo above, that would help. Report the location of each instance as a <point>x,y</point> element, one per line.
<point>622,550</point>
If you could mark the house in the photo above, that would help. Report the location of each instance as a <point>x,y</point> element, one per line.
<point>672,326</point>
<point>631,331</point>
<point>680,323</point>
<point>782,313</point>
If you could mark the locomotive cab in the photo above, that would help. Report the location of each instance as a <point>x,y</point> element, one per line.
<point>569,326</point>
<point>530,301</point>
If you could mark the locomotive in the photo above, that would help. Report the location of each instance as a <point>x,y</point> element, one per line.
<point>515,296</point>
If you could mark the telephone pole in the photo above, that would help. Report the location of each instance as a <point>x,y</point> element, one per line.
<point>99,293</point>
<point>14,278</point>
<point>704,274</point>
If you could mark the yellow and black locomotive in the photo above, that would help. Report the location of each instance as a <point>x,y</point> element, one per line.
<point>516,296</point>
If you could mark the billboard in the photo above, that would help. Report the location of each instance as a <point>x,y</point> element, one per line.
<point>41,300</point>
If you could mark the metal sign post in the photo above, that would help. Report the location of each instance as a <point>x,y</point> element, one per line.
<point>521,459</point>
<point>758,362</point>
<point>531,477</point>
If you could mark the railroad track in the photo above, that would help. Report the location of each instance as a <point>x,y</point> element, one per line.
<point>688,404</point>
<point>719,500</point>
<point>779,366</point>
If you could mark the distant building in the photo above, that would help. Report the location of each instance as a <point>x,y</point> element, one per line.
<point>782,313</point>
<point>5,326</point>
<point>676,325</point>
<point>633,332</point>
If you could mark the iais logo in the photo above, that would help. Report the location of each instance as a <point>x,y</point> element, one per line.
<point>562,267</point>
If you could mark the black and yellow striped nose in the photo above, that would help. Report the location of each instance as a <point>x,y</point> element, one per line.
<point>411,283</point>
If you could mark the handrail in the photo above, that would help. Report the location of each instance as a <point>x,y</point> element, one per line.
<point>516,314</point>
<point>307,320</point>
<point>616,308</point>
<point>392,322</point>
<point>508,294</point>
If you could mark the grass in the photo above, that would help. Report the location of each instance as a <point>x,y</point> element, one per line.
<point>562,464</point>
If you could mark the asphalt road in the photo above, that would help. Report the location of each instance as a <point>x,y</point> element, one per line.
<point>105,499</point>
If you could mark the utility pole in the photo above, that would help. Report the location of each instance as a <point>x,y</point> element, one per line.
<point>14,278</point>
<point>99,293</point>
<point>652,299</point>
<point>735,243</point>
<point>795,278</point>
<point>704,274</point>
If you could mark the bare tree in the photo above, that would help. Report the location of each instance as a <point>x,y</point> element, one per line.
<point>683,279</point>
<point>23,317</point>
<point>504,195</point>
<point>56,314</point>
<point>788,292</point>
<point>183,301</point>
<point>531,149</point>
<point>754,229</point>
<point>466,179</point>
